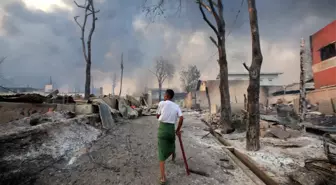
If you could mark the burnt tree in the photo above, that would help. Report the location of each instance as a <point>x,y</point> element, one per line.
<point>162,71</point>
<point>189,78</point>
<point>89,11</point>
<point>253,90</point>
<point>216,10</point>
<point>302,101</point>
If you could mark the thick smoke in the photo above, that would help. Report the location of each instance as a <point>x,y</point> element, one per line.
<point>41,44</point>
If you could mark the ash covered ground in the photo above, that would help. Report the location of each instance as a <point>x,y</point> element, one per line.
<point>127,154</point>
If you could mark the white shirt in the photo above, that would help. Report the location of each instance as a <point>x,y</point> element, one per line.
<point>169,112</point>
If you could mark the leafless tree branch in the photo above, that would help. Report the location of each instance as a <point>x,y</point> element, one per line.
<point>153,73</point>
<point>81,6</point>
<point>205,6</point>
<point>220,12</point>
<point>157,9</point>
<point>213,11</point>
<point>163,70</point>
<point>214,41</point>
<point>93,13</point>
<point>93,23</point>
<point>89,10</point>
<point>76,17</point>
<point>206,19</point>
<point>246,67</point>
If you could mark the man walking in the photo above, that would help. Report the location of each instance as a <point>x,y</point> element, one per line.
<point>167,113</point>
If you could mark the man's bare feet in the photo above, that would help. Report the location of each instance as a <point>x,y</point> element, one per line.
<point>162,180</point>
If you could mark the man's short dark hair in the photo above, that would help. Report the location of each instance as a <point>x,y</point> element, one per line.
<point>170,93</point>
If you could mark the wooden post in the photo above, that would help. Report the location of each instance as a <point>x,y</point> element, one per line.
<point>122,71</point>
<point>208,97</point>
<point>302,103</point>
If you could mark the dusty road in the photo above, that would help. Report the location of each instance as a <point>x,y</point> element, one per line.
<point>127,155</point>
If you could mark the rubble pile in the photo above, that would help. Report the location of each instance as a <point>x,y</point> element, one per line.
<point>126,110</point>
<point>129,107</point>
<point>31,144</point>
<point>318,170</point>
<point>238,121</point>
<point>149,111</point>
<point>23,98</point>
<point>53,97</point>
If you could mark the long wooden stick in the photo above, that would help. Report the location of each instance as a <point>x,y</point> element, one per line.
<point>183,154</point>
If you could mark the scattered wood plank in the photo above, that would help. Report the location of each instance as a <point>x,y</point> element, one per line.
<point>277,132</point>
<point>244,162</point>
<point>219,137</point>
<point>205,135</point>
<point>254,168</point>
<point>241,165</point>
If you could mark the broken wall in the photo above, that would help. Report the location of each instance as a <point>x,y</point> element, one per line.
<point>286,98</point>
<point>321,96</point>
<point>196,99</point>
<point>201,99</point>
<point>188,101</point>
<point>237,89</point>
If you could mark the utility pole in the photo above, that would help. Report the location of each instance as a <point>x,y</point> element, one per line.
<point>302,102</point>
<point>122,71</point>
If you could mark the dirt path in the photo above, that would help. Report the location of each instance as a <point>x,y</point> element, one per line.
<point>128,155</point>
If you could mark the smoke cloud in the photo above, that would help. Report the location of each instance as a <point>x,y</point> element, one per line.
<point>42,43</point>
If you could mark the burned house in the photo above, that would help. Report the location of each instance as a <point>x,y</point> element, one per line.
<point>288,93</point>
<point>238,83</point>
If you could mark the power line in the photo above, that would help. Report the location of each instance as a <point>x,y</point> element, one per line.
<point>235,21</point>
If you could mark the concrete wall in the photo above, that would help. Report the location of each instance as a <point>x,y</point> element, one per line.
<point>324,71</point>
<point>237,90</point>
<point>326,98</point>
<point>193,99</point>
<point>188,101</point>
<point>323,97</point>
<point>201,99</point>
<point>286,98</point>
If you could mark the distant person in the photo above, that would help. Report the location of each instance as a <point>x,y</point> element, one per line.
<point>167,113</point>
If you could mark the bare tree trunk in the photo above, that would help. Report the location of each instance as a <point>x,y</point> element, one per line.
<point>160,89</point>
<point>225,108</point>
<point>87,80</point>
<point>208,97</point>
<point>89,10</point>
<point>122,71</point>
<point>225,118</point>
<point>302,102</point>
<point>253,128</point>
<point>245,102</point>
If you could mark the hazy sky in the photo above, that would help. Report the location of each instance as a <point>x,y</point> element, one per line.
<point>41,39</point>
